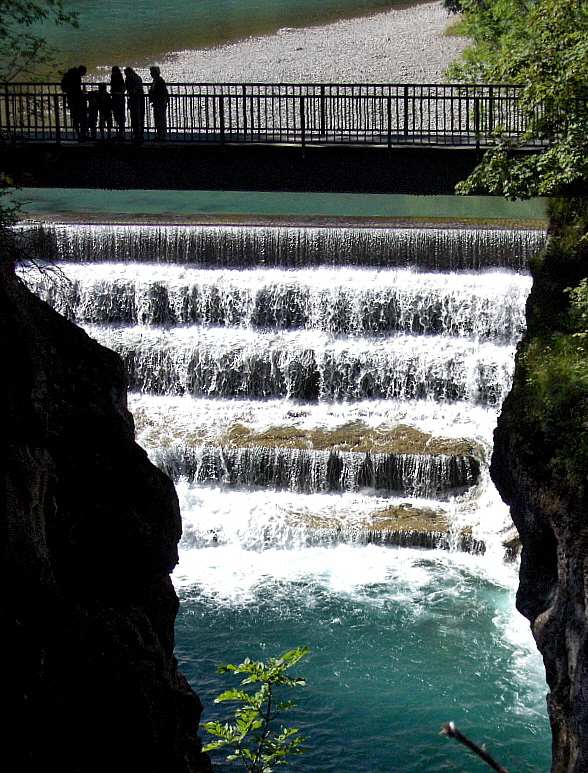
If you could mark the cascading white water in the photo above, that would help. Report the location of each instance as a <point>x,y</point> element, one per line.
<point>308,365</point>
<point>303,387</point>
<point>310,471</point>
<point>440,249</point>
<point>359,303</point>
<point>402,343</point>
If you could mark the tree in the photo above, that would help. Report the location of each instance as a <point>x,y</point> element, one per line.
<point>21,47</point>
<point>541,45</point>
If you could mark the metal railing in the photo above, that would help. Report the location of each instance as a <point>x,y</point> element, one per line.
<point>299,114</point>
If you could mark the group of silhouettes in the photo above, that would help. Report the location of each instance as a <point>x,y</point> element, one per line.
<point>105,110</point>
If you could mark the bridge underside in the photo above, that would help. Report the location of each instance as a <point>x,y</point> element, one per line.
<point>424,171</point>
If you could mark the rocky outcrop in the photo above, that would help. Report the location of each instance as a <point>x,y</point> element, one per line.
<point>540,466</point>
<point>89,536</point>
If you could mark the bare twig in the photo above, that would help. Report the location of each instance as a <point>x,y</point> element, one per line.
<point>451,730</point>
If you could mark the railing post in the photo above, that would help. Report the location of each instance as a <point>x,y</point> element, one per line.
<point>323,129</point>
<point>302,124</point>
<point>221,116</point>
<point>57,123</point>
<point>490,109</point>
<point>389,106</point>
<point>477,121</point>
<point>7,108</point>
<point>406,111</point>
<point>244,90</point>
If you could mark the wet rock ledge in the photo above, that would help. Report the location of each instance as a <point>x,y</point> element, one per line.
<point>89,534</point>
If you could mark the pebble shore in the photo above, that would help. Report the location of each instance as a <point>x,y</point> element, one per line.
<point>400,46</point>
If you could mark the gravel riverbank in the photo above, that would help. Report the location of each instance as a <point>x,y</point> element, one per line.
<point>404,45</point>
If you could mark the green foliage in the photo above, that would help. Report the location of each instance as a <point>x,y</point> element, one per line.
<point>579,308</point>
<point>568,217</point>
<point>548,406</point>
<point>541,45</point>
<point>8,209</point>
<point>22,49</point>
<point>253,741</point>
<point>556,405</point>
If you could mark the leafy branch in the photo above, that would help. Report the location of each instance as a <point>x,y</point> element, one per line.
<point>22,49</point>
<point>252,737</point>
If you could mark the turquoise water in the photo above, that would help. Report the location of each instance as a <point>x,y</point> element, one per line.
<point>146,29</point>
<point>45,202</point>
<point>401,641</point>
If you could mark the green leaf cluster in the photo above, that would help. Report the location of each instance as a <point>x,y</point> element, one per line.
<point>252,736</point>
<point>542,46</point>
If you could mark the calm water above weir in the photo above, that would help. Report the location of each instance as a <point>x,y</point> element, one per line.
<point>302,384</point>
<point>146,29</point>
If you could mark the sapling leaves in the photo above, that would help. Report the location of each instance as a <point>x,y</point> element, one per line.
<point>251,736</point>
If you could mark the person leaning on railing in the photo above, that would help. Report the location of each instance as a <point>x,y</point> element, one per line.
<point>117,92</point>
<point>71,85</point>
<point>159,99</point>
<point>136,103</point>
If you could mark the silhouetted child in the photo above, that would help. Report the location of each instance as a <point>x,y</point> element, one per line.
<point>100,112</point>
<point>92,113</point>
<point>104,111</point>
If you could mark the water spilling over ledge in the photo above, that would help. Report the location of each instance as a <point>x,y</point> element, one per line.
<point>433,249</point>
<point>315,471</point>
<point>266,332</point>
<point>326,424</point>
<point>341,301</point>
<point>308,366</point>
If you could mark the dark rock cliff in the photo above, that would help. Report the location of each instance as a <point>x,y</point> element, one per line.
<point>89,532</point>
<point>540,466</point>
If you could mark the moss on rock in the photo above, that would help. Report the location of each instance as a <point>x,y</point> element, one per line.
<point>354,436</point>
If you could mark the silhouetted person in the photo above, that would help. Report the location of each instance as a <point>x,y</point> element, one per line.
<point>159,99</point>
<point>117,92</point>
<point>104,105</point>
<point>136,103</point>
<point>92,113</point>
<point>71,85</point>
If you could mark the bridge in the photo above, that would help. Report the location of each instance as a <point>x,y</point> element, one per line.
<point>219,133</point>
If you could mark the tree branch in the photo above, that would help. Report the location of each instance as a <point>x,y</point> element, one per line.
<point>451,730</point>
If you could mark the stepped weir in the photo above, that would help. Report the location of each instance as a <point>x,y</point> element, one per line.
<point>324,380</point>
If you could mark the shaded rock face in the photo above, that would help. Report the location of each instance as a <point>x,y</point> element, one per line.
<point>540,468</point>
<point>89,532</point>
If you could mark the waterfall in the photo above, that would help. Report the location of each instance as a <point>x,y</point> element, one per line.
<point>421,475</point>
<point>308,366</point>
<point>367,302</point>
<point>331,370</point>
<point>324,400</point>
<point>437,249</point>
